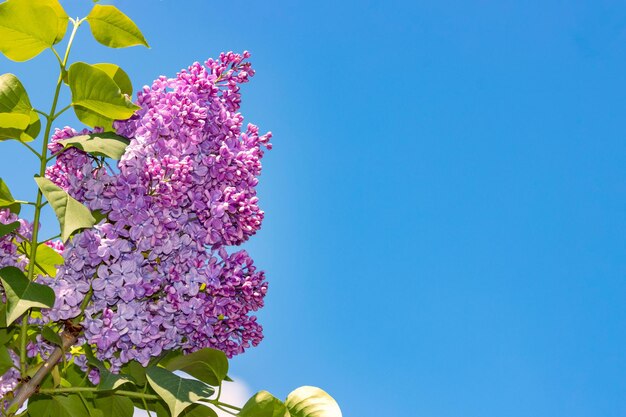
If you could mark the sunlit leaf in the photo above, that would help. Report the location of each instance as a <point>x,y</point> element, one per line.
<point>27,28</point>
<point>72,215</point>
<point>94,90</point>
<point>6,199</point>
<point>62,17</point>
<point>312,402</point>
<point>18,120</point>
<point>46,260</point>
<point>119,76</point>
<point>264,404</point>
<point>113,28</point>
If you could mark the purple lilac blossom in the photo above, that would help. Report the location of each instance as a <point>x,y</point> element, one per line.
<point>9,380</point>
<point>184,190</point>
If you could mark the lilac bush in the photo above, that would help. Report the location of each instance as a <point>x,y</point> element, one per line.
<point>153,198</point>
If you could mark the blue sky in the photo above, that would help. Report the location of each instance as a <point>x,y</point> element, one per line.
<point>445,201</point>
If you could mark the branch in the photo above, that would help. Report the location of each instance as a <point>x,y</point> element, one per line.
<point>69,337</point>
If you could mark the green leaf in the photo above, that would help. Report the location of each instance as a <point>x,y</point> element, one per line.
<point>14,121</point>
<point>57,406</point>
<point>18,120</point>
<point>178,393</point>
<point>14,98</point>
<point>99,144</point>
<point>113,28</point>
<point>62,18</point>
<point>91,358</point>
<point>94,90</point>
<point>23,294</point>
<point>312,402</point>
<point>137,372</point>
<point>119,76</point>
<point>46,259</point>
<point>198,410</point>
<point>52,336</point>
<point>27,135</point>
<point>6,335</point>
<point>6,362</point>
<point>110,381</point>
<point>264,404</point>
<point>208,365</point>
<point>93,119</point>
<point>72,215</point>
<point>157,407</point>
<point>98,215</point>
<point>26,28</point>
<point>7,200</point>
<point>6,229</point>
<point>114,406</point>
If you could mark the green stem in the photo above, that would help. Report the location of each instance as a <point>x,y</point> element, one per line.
<point>70,390</point>
<point>23,338</point>
<point>221,404</point>
<point>30,203</point>
<point>86,300</point>
<point>225,410</point>
<point>42,113</point>
<point>56,54</point>
<point>145,403</point>
<point>50,238</point>
<point>60,112</point>
<point>39,202</point>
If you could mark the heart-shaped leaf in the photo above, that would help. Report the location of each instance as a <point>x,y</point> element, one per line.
<point>18,120</point>
<point>312,402</point>
<point>264,404</point>
<point>62,17</point>
<point>46,260</point>
<point>178,393</point>
<point>6,362</point>
<point>59,405</point>
<point>52,336</point>
<point>114,406</point>
<point>23,294</point>
<point>208,365</point>
<point>93,119</point>
<point>119,76</point>
<point>6,229</point>
<point>95,91</point>
<point>99,144</point>
<point>7,200</point>
<point>27,28</point>
<point>113,28</point>
<point>13,98</point>
<point>72,215</point>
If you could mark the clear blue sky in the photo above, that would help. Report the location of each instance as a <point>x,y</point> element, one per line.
<point>446,200</point>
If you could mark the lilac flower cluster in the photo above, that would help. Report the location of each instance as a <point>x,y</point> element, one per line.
<point>9,254</point>
<point>9,380</point>
<point>156,267</point>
